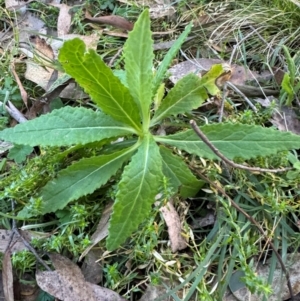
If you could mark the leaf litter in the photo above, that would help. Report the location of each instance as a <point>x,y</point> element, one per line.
<point>67,283</point>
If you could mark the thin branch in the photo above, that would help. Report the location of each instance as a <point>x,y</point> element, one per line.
<point>114,57</point>
<point>233,164</point>
<point>233,87</point>
<point>17,233</point>
<point>255,223</point>
<point>31,249</point>
<point>14,112</point>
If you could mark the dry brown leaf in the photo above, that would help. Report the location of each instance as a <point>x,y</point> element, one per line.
<point>157,8</point>
<point>35,72</point>
<point>208,219</point>
<point>42,49</point>
<point>283,117</point>
<point>68,284</point>
<point>194,66</point>
<point>89,41</point>
<point>92,270</point>
<point>64,19</point>
<point>7,277</point>
<point>239,76</point>
<point>47,52</point>
<point>27,24</point>
<point>102,229</point>
<point>286,119</point>
<point>113,20</point>
<point>172,220</point>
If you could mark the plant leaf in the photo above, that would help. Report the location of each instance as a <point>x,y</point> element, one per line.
<point>99,82</point>
<point>164,65</point>
<point>66,126</point>
<point>81,178</point>
<point>138,53</point>
<point>188,94</point>
<point>136,192</point>
<point>18,152</point>
<point>233,140</point>
<point>179,174</point>
<point>288,88</point>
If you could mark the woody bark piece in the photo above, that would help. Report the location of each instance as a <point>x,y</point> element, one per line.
<point>172,220</point>
<point>7,277</point>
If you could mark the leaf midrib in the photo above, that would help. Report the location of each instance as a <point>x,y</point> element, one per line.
<point>112,97</point>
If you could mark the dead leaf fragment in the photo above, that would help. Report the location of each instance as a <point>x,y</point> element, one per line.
<point>283,117</point>
<point>92,270</point>
<point>68,284</point>
<point>172,220</point>
<point>64,19</point>
<point>89,41</point>
<point>113,20</point>
<point>286,119</point>
<point>239,76</point>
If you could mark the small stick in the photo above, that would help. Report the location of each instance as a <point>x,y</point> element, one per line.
<point>251,105</point>
<point>114,57</point>
<point>14,112</point>
<point>31,249</point>
<point>220,155</point>
<point>24,94</point>
<point>25,242</point>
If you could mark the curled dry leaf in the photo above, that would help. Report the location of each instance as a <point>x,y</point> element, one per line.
<point>68,284</point>
<point>113,20</point>
<point>172,220</point>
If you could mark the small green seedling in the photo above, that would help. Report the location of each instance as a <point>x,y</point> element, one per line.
<point>133,111</point>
